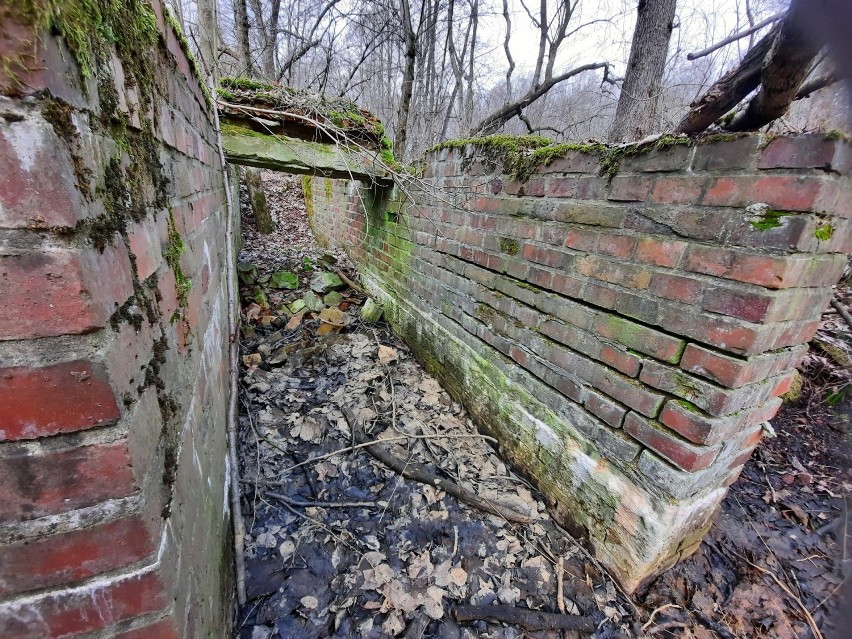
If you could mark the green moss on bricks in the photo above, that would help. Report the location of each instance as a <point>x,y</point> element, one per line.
<point>172,21</point>
<point>719,137</point>
<point>308,192</point>
<point>230,128</point>
<point>172,253</point>
<point>509,245</point>
<point>835,134</point>
<point>824,232</point>
<point>769,219</point>
<point>246,84</point>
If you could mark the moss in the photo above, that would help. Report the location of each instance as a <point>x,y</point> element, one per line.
<point>308,192</point>
<point>58,113</point>
<point>175,248</point>
<point>835,134</point>
<point>824,232</point>
<point>245,84</point>
<point>718,137</point>
<point>225,94</point>
<point>230,128</point>
<point>172,21</point>
<point>769,219</point>
<point>509,245</point>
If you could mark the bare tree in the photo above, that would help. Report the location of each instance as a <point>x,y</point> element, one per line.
<point>553,33</point>
<point>636,115</point>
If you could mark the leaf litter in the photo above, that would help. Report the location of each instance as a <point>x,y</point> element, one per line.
<point>340,546</point>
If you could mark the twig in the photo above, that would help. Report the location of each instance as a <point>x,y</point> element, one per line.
<point>415,473</point>
<point>529,619</point>
<point>348,449</point>
<point>735,37</point>
<point>842,311</point>
<point>560,586</point>
<point>654,614</point>
<point>331,532</point>
<point>321,504</point>
<point>350,283</point>
<point>811,622</point>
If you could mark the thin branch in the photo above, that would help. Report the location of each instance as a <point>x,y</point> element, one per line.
<point>737,36</point>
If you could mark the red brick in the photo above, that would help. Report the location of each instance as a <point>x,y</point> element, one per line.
<point>677,190</point>
<point>559,187</point>
<point>50,482</point>
<point>699,428</point>
<point>73,612</point>
<point>616,245</point>
<point>37,182</point>
<point>608,410</point>
<point>572,162</point>
<point>55,399</point>
<point>799,152</point>
<point>676,287</point>
<point>163,629</point>
<point>629,188</point>
<point>734,372</point>
<point>659,252</point>
<point>62,292</point>
<point>678,451</point>
<point>639,338</point>
<point>752,307</point>
<point>64,558</point>
<point>783,192</point>
<point>630,393</point>
<point>582,240</point>
<point>620,360</point>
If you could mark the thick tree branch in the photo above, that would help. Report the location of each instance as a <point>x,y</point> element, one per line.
<point>733,38</point>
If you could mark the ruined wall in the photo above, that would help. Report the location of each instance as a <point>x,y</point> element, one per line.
<point>114,514</point>
<point>623,322</point>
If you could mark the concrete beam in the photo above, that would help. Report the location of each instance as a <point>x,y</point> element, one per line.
<point>293,155</point>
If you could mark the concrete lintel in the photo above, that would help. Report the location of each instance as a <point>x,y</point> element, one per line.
<point>293,155</point>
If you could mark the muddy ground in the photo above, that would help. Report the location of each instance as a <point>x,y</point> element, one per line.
<point>339,545</point>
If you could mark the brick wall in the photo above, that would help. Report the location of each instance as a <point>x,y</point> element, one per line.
<point>113,337</point>
<point>624,336</point>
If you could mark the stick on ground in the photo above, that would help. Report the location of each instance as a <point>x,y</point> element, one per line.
<point>529,619</point>
<point>416,473</point>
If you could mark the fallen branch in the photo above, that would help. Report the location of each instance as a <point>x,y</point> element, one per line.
<point>812,86</point>
<point>842,311</point>
<point>351,284</point>
<point>321,504</point>
<point>349,449</point>
<point>416,473</point>
<point>529,619</point>
<point>733,38</point>
<point>417,626</point>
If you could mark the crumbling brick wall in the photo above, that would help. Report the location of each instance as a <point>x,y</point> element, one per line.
<point>624,324</point>
<point>113,335</point>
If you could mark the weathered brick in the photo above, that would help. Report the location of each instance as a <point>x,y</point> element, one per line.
<point>665,253</point>
<point>799,152</point>
<point>735,372</point>
<point>783,192</point>
<point>678,451</point>
<point>676,287</point>
<point>62,398</point>
<point>677,190</point>
<point>608,410</point>
<point>729,154</point>
<point>640,338</point>
<point>629,188</point>
<point>71,612</point>
<point>62,292</point>
<point>44,483</point>
<point>630,393</point>
<point>163,629</point>
<point>685,419</point>
<point>68,557</point>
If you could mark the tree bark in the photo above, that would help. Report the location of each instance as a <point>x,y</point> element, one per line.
<point>730,89</point>
<point>243,48</point>
<point>637,113</point>
<point>207,37</point>
<point>787,65</point>
<point>257,199</point>
<point>409,38</point>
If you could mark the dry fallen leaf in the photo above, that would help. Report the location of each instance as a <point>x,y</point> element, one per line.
<point>294,321</point>
<point>387,354</point>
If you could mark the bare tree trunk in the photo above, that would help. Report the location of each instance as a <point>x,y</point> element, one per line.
<point>207,36</point>
<point>786,67</point>
<point>243,48</point>
<point>407,79</point>
<point>637,113</point>
<point>257,199</point>
<point>271,40</point>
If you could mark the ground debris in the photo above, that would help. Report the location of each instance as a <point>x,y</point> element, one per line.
<point>339,545</point>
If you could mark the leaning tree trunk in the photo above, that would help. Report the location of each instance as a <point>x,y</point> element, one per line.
<point>257,199</point>
<point>787,65</point>
<point>637,113</point>
<point>401,136</point>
